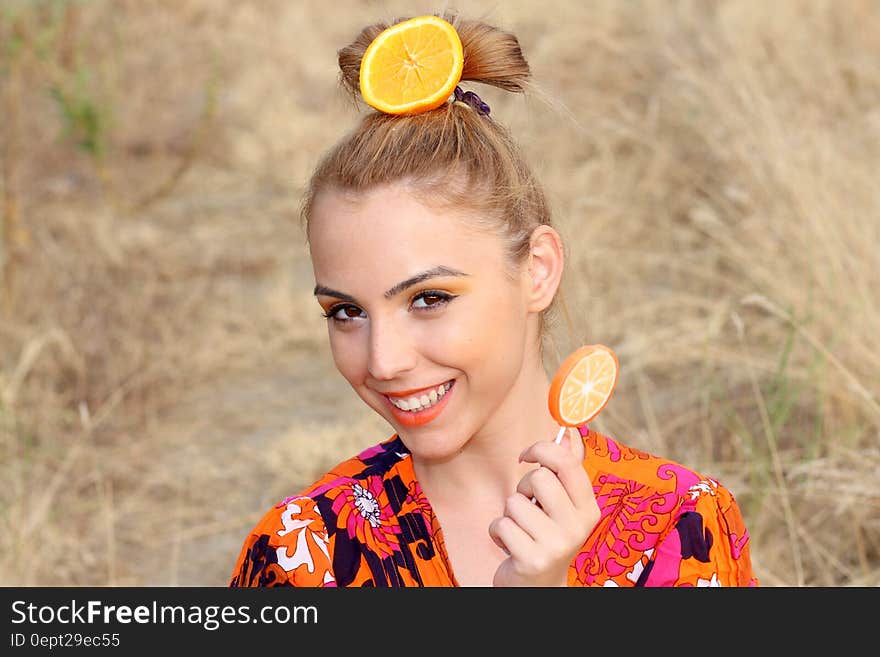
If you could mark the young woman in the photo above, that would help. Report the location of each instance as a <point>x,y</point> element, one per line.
<point>435,262</point>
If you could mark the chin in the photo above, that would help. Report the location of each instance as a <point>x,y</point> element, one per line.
<point>431,453</point>
<point>441,445</point>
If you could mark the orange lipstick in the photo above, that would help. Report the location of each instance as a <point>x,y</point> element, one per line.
<point>420,417</point>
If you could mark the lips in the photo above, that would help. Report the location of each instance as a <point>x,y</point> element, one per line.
<point>420,416</point>
<point>414,391</point>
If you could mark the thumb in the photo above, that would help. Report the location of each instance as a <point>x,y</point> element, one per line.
<point>566,440</point>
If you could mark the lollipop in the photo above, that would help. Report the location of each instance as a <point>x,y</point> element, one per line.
<point>582,386</point>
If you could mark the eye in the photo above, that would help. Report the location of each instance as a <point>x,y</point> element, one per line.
<point>344,312</point>
<point>431,300</point>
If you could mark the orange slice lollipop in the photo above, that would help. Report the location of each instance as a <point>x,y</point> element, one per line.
<point>583,384</point>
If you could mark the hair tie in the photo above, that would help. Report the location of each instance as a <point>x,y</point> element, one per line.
<point>472,100</point>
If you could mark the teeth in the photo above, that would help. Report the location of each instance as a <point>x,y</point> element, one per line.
<point>423,401</point>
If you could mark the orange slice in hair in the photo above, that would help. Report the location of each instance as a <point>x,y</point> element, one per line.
<point>583,384</point>
<point>412,66</point>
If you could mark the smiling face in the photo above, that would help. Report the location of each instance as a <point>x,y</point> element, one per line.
<point>425,320</point>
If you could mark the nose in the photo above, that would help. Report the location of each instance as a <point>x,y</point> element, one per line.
<point>392,351</point>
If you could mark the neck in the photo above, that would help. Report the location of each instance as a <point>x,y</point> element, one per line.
<point>487,470</point>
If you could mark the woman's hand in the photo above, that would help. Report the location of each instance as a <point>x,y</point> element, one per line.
<point>542,536</point>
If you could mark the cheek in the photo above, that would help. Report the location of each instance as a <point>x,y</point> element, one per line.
<point>349,354</point>
<point>481,328</point>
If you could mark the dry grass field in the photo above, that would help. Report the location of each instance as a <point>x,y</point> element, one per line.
<point>164,369</point>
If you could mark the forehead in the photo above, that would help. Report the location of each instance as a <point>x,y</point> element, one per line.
<point>391,223</point>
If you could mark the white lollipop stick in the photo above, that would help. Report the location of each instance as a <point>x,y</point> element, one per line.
<point>559,435</point>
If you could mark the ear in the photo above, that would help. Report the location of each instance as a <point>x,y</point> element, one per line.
<point>543,274</point>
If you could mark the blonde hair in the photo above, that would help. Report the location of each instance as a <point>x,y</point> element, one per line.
<point>451,155</point>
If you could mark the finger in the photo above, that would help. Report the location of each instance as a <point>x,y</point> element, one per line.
<point>496,538</point>
<point>567,467</point>
<point>529,517</point>
<point>566,442</point>
<point>540,484</point>
<point>508,535</point>
<point>544,488</point>
<point>526,486</point>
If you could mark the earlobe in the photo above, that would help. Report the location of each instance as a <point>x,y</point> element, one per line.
<point>546,262</point>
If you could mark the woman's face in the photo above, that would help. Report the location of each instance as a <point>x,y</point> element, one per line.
<point>424,320</point>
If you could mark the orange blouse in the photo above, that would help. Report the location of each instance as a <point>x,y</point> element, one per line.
<point>368,523</point>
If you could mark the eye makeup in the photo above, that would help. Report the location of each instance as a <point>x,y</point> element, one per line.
<point>434,300</point>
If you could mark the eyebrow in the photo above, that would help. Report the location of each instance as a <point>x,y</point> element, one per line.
<point>397,289</point>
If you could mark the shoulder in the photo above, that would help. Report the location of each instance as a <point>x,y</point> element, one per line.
<point>688,524</point>
<point>292,544</point>
<point>612,461</point>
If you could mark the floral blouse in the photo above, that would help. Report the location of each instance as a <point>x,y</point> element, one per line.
<point>368,523</point>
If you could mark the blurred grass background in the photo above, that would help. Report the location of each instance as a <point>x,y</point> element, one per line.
<point>164,370</point>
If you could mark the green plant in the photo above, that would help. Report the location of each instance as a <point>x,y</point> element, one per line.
<point>84,117</point>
